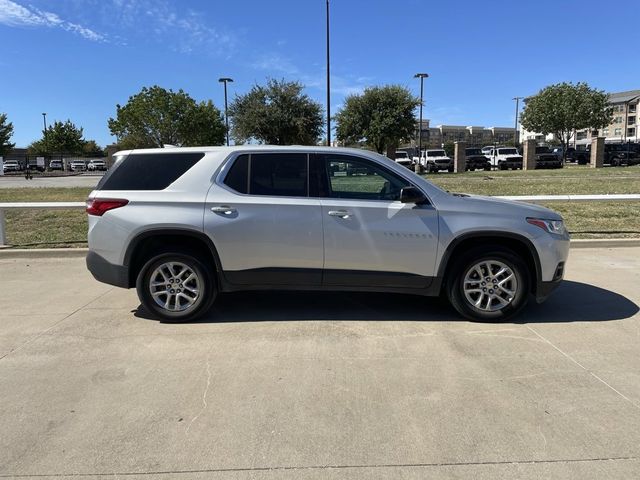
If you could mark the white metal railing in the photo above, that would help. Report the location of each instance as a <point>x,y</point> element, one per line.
<point>521,198</point>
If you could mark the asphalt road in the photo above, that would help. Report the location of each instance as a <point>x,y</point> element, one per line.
<point>83,180</point>
<point>318,385</point>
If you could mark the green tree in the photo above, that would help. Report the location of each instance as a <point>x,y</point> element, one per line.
<point>278,114</point>
<point>91,148</point>
<point>565,107</point>
<point>156,117</point>
<point>382,117</point>
<point>60,137</point>
<point>6,132</point>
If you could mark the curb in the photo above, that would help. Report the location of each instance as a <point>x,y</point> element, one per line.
<point>605,242</point>
<point>43,252</point>
<point>82,252</point>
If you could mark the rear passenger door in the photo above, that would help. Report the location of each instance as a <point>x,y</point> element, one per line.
<point>266,228</point>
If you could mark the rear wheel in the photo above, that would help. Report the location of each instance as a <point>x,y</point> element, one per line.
<point>490,284</point>
<point>176,287</point>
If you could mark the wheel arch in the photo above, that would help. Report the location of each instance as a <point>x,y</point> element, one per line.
<point>149,242</point>
<point>516,242</point>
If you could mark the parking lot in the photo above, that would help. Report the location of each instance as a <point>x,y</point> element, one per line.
<point>319,385</point>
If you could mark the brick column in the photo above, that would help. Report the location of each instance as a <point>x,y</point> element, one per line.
<point>529,155</point>
<point>597,152</point>
<point>459,158</point>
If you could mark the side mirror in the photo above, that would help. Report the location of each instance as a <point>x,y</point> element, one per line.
<point>412,195</point>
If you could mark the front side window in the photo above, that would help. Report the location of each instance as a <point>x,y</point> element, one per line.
<point>355,178</point>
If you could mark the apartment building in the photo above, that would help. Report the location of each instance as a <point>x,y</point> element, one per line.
<point>623,127</point>
<point>436,137</point>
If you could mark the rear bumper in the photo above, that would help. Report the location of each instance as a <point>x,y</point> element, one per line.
<point>106,272</point>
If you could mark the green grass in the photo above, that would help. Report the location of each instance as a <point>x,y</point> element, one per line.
<point>46,228</point>
<point>58,228</point>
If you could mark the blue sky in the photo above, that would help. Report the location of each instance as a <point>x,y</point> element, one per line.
<point>77,59</point>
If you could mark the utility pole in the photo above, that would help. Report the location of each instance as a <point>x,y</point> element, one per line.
<point>421,76</point>
<point>515,126</point>
<point>225,80</point>
<point>328,85</point>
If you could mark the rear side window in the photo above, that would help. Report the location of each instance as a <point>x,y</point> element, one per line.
<point>148,171</point>
<point>238,176</point>
<point>269,174</point>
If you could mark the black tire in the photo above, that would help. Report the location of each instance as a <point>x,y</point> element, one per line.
<point>502,166</point>
<point>207,287</point>
<point>450,169</point>
<point>455,283</point>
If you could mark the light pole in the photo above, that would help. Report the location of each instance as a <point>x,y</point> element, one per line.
<point>515,126</point>
<point>421,76</point>
<point>44,121</point>
<point>328,85</point>
<point>225,80</point>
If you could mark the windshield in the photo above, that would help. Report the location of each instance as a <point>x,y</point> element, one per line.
<point>402,155</point>
<point>436,153</point>
<point>473,151</point>
<point>507,151</point>
<point>543,150</point>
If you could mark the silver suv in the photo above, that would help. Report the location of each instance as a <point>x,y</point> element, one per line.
<point>185,224</point>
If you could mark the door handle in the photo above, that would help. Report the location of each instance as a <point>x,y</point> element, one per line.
<point>224,209</point>
<point>339,213</point>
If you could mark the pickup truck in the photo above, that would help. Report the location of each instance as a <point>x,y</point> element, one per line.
<point>435,160</point>
<point>475,160</point>
<point>545,158</point>
<point>618,154</point>
<point>403,159</point>
<point>504,158</point>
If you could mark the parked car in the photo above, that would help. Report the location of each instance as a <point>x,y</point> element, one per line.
<point>475,160</point>
<point>11,166</point>
<point>617,155</point>
<point>581,157</point>
<point>545,158</point>
<point>487,149</point>
<point>94,165</point>
<point>402,158</point>
<point>55,165</point>
<point>505,158</point>
<point>182,225</point>
<point>77,166</point>
<point>435,160</point>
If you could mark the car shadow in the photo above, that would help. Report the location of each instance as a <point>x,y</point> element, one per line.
<point>571,302</point>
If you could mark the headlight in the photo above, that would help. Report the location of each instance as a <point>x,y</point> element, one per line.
<point>555,227</point>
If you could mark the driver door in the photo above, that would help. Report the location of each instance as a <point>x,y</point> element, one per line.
<point>370,237</point>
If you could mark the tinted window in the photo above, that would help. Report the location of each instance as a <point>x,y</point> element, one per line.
<point>238,176</point>
<point>355,178</point>
<point>278,174</point>
<point>148,171</point>
<point>436,153</point>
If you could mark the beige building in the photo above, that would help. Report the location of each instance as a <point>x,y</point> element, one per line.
<point>436,137</point>
<point>623,128</point>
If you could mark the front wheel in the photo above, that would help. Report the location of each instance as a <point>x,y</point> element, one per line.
<point>489,284</point>
<point>176,287</point>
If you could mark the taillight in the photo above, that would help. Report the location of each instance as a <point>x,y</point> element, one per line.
<point>98,206</point>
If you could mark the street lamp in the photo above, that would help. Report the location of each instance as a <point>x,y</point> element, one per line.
<point>225,80</point>
<point>515,126</point>
<point>421,76</point>
<point>44,121</point>
<point>328,85</point>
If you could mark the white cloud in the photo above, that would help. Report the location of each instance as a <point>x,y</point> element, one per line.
<point>13,14</point>
<point>183,30</point>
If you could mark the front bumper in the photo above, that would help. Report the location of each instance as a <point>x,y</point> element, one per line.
<point>106,272</point>
<point>544,289</point>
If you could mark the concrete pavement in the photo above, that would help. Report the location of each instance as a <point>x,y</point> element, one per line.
<point>319,385</point>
